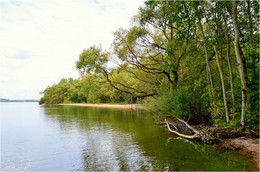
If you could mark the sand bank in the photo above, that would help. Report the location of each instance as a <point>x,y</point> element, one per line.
<point>246,146</point>
<point>118,106</point>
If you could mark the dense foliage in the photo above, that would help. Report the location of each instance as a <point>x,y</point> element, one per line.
<point>90,89</point>
<point>198,60</point>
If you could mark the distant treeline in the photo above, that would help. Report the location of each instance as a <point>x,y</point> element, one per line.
<point>8,100</point>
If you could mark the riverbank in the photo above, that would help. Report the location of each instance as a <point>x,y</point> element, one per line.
<point>247,146</point>
<point>117,106</point>
<point>245,142</point>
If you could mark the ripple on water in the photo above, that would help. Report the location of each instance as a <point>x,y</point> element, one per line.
<point>112,150</point>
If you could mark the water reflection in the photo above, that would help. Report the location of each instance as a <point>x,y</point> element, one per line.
<point>123,140</point>
<point>62,138</point>
<point>108,144</point>
<point>112,150</point>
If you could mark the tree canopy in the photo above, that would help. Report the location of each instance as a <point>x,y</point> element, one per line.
<point>198,60</point>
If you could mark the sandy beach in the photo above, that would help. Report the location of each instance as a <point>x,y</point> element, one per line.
<point>118,106</point>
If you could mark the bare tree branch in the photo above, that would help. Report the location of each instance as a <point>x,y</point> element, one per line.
<point>194,136</point>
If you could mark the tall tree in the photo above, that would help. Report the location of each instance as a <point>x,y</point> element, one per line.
<point>159,40</point>
<point>239,58</point>
<point>222,84</point>
<point>94,61</point>
<point>208,68</point>
<point>231,78</point>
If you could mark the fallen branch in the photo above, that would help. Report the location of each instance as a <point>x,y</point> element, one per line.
<point>194,136</point>
<point>190,127</point>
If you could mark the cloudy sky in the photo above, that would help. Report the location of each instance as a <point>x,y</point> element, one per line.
<point>40,40</point>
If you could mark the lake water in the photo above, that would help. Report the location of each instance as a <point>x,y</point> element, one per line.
<point>62,138</point>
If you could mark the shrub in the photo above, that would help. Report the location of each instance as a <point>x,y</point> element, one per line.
<point>183,103</point>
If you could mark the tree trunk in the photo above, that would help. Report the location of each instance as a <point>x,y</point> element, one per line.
<point>250,21</point>
<point>239,61</point>
<point>211,88</point>
<point>229,65</point>
<point>222,84</point>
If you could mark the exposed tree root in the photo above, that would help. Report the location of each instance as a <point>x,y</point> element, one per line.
<point>204,133</point>
<point>221,137</point>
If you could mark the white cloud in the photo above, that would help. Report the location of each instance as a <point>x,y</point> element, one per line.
<point>41,40</point>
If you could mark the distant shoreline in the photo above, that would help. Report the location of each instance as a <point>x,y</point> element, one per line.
<point>117,106</point>
<point>9,100</point>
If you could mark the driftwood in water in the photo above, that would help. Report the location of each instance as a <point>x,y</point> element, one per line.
<point>175,130</point>
<point>203,133</point>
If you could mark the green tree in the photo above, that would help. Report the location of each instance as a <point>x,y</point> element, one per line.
<point>177,55</point>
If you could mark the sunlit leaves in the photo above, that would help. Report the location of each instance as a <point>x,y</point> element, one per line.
<point>92,60</point>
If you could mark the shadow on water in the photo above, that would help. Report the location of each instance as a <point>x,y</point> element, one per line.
<point>114,139</point>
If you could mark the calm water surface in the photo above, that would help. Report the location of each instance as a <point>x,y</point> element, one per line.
<point>35,138</point>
